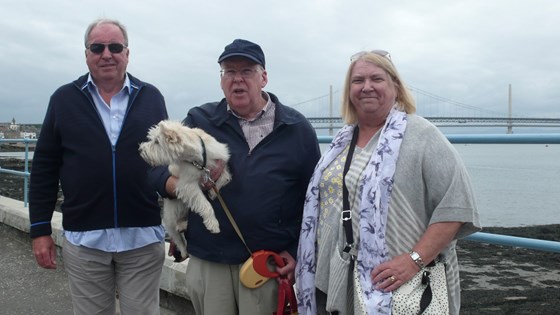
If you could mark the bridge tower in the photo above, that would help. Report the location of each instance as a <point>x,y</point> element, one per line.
<point>510,122</point>
<point>330,109</point>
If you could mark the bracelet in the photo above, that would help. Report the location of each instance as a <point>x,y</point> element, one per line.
<point>417,259</point>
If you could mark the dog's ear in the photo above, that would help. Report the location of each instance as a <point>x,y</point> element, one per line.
<point>170,134</point>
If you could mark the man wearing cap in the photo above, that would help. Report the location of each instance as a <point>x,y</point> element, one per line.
<point>274,150</point>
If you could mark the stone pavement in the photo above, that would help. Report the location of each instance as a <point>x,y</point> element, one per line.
<point>26,288</point>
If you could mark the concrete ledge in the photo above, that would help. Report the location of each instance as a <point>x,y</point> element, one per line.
<point>173,279</point>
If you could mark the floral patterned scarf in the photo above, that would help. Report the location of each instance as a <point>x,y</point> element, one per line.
<point>374,192</point>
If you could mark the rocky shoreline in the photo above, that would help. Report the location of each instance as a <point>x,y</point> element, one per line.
<point>12,186</point>
<point>494,279</point>
<point>510,280</point>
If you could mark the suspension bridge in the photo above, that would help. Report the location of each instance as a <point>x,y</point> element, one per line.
<point>441,111</point>
<point>336,122</point>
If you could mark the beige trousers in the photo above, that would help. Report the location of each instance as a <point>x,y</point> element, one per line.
<point>95,275</point>
<point>215,289</point>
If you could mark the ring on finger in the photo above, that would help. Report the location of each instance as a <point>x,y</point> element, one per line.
<point>392,278</point>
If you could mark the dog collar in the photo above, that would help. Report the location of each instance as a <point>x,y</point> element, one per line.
<point>203,152</point>
<point>203,165</point>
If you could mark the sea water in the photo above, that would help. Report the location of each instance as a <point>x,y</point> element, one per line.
<point>514,184</point>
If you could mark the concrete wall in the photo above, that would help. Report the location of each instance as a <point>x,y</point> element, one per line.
<point>173,280</point>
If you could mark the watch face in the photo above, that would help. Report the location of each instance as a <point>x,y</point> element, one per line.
<point>417,259</point>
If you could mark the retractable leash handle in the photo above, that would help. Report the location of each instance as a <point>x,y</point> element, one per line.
<point>255,272</point>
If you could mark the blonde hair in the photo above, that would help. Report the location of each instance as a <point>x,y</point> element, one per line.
<point>404,99</point>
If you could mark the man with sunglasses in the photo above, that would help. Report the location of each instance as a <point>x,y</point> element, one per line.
<point>113,237</point>
<point>273,152</point>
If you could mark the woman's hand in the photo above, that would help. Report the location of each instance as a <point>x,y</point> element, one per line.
<point>390,275</point>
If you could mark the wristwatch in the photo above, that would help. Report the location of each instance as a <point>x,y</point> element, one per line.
<point>417,259</point>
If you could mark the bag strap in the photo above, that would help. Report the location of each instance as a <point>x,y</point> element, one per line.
<point>346,211</point>
<point>426,298</point>
<point>230,217</point>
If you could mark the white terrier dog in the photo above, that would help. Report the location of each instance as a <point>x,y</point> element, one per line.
<point>189,153</point>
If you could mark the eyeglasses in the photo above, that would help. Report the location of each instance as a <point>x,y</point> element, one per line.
<point>245,73</point>
<point>379,52</point>
<point>114,48</point>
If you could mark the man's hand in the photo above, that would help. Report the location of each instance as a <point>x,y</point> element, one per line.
<point>44,250</point>
<point>215,173</point>
<point>289,267</point>
<point>171,186</point>
<point>174,252</point>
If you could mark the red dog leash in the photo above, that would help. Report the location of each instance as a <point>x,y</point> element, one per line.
<point>287,303</point>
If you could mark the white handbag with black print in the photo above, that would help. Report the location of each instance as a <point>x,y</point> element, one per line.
<point>426,293</point>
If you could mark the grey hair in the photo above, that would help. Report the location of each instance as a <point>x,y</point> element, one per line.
<point>106,21</point>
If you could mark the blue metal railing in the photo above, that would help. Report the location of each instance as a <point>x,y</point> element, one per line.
<point>515,241</point>
<point>540,138</point>
<point>25,174</point>
<point>496,239</point>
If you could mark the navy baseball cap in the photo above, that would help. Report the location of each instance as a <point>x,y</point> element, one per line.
<point>243,48</point>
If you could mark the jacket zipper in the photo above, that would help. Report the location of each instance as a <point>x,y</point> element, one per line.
<point>114,153</point>
<point>113,147</point>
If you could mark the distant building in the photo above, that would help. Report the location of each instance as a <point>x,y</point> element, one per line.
<point>13,125</point>
<point>28,135</point>
<point>13,130</point>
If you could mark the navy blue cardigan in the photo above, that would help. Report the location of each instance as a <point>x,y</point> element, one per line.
<point>268,186</point>
<point>104,186</point>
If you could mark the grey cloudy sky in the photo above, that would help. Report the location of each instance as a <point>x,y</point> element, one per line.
<point>466,51</point>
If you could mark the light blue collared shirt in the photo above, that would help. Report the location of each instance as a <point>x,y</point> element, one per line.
<point>115,239</point>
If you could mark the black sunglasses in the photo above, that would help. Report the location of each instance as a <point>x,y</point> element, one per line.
<point>114,48</point>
